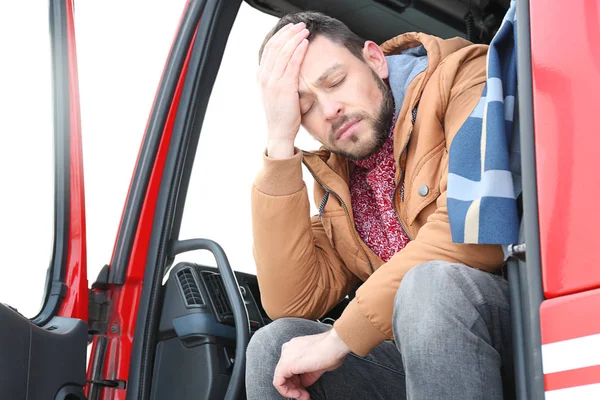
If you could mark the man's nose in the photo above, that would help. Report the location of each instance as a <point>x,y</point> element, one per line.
<point>332,109</point>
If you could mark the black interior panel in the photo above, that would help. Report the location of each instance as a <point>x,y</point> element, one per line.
<point>189,371</point>
<point>196,339</point>
<point>379,20</point>
<point>42,363</point>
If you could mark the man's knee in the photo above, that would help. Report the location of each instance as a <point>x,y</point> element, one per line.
<point>264,350</point>
<point>423,284</point>
<point>270,338</point>
<point>267,341</point>
<point>437,298</point>
<point>428,293</point>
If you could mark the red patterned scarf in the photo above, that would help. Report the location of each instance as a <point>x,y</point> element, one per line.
<point>371,189</point>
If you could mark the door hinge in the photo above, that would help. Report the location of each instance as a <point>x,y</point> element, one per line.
<point>98,304</point>
<point>97,312</point>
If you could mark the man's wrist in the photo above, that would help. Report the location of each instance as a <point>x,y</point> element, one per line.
<point>280,148</point>
<point>338,343</point>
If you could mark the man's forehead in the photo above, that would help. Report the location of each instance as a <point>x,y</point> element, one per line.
<point>322,50</point>
<point>323,58</point>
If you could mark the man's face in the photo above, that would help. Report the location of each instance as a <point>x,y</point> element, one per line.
<point>344,102</point>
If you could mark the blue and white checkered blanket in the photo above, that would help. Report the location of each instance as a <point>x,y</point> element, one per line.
<point>482,186</point>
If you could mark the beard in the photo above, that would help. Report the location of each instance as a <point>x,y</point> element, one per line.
<point>380,126</point>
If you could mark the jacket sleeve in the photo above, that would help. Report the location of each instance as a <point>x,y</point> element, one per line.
<point>367,321</point>
<point>299,273</point>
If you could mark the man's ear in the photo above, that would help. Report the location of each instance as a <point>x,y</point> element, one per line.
<point>375,58</point>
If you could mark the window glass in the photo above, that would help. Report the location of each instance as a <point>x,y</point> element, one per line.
<point>230,150</point>
<point>26,154</point>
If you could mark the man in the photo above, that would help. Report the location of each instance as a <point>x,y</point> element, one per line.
<point>431,318</point>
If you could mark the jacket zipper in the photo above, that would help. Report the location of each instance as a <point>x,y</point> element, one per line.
<point>328,191</point>
<point>322,205</point>
<point>401,180</point>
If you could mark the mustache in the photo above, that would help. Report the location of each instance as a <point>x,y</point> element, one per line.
<point>337,124</point>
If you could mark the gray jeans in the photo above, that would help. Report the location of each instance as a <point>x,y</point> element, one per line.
<point>452,335</point>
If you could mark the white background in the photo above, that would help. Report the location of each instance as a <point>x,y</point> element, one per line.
<point>122,47</point>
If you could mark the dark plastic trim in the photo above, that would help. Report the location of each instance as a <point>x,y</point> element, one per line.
<point>207,52</point>
<point>37,361</point>
<point>97,367</point>
<point>283,7</point>
<point>102,279</point>
<point>240,314</point>
<point>152,138</point>
<point>142,356</point>
<point>203,325</point>
<point>530,273</point>
<point>55,283</point>
<point>70,392</point>
<point>517,329</point>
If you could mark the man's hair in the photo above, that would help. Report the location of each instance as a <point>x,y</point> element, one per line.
<point>320,24</point>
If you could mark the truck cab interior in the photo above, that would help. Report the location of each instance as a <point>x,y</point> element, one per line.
<point>197,323</point>
<point>159,329</point>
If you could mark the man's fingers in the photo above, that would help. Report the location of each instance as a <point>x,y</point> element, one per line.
<point>294,393</point>
<point>304,395</point>
<point>287,52</point>
<point>276,43</point>
<point>296,385</point>
<point>287,383</point>
<point>293,66</point>
<point>309,379</point>
<point>291,388</point>
<point>280,377</point>
<point>272,40</point>
<point>288,387</point>
<point>271,45</point>
<point>279,380</point>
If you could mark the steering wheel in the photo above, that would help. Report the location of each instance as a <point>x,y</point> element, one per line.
<point>240,314</point>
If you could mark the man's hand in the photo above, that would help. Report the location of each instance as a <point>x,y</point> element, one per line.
<point>304,359</point>
<point>278,81</point>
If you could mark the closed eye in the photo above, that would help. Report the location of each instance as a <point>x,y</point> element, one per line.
<point>306,112</point>
<point>338,83</point>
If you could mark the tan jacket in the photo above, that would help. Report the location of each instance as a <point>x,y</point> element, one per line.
<point>306,266</point>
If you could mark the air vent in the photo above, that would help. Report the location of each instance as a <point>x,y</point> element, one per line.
<point>218,297</point>
<point>189,288</point>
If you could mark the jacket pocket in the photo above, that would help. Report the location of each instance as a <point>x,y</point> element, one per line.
<point>424,187</point>
<point>342,239</point>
